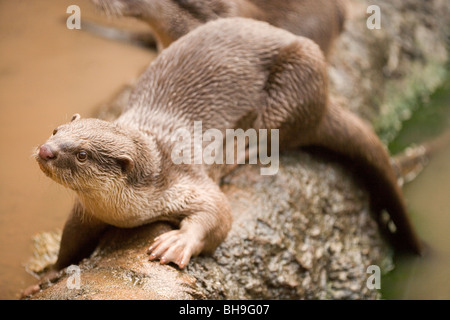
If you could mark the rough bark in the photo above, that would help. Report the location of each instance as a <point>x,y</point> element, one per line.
<point>303,233</point>
<point>307,232</point>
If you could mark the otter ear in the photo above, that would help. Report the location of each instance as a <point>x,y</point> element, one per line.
<point>126,163</point>
<point>75,117</point>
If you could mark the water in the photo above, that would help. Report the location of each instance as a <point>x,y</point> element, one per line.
<point>47,73</point>
<point>428,198</point>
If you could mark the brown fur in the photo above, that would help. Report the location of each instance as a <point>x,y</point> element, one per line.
<point>320,20</point>
<point>219,74</point>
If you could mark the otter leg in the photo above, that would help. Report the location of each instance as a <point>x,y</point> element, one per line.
<point>205,227</point>
<point>80,236</point>
<point>295,92</point>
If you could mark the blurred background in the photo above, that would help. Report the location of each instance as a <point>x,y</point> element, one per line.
<point>48,73</point>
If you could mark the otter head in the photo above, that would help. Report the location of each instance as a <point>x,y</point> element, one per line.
<point>89,155</point>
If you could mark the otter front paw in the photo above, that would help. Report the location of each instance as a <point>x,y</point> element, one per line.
<point>175,246</point>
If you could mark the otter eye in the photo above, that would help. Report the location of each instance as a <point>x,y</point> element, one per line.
<point>82,156</point>
<point>55,131</point>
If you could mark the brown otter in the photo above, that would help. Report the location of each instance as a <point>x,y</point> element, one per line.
<point>228,73</point>
<point>320,20</point>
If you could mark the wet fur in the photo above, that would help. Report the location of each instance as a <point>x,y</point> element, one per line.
<point>320,20</point>
<point>220,73</point>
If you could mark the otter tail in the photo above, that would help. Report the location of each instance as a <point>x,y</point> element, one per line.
<point>344,133</point>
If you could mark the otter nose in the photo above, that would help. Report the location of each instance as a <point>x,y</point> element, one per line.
<point>46,153</point>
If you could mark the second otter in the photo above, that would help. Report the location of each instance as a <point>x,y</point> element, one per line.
<point>319,20</point>
<point>228,73</point>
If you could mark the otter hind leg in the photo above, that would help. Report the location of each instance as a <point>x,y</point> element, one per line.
<point>295,91</point>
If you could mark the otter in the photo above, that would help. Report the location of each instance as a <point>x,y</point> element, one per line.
<point>228,73</point>
<point>320,20</point>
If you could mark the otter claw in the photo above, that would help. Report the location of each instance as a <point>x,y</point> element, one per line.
<point>174,246</point>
